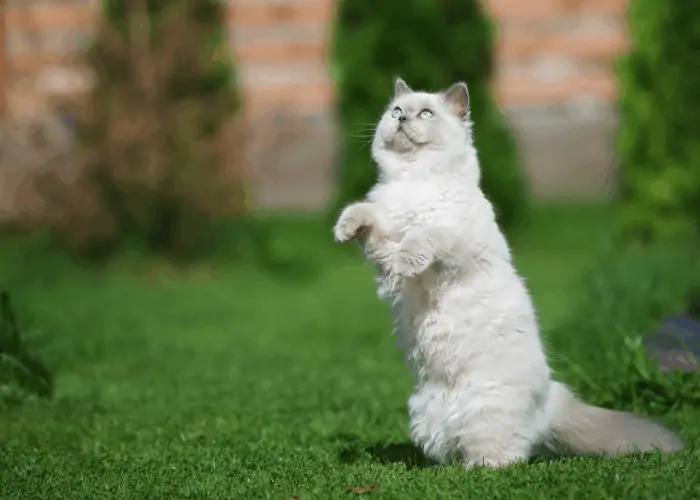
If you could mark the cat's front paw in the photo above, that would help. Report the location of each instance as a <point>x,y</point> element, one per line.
<point>412,258</point>
<point>353,220</point>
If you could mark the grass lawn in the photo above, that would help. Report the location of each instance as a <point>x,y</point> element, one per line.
<point>227,382</point>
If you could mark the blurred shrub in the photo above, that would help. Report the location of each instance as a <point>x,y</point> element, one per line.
<point>660,111</point>
<point>431,44</point>
<point>624,298</point>
<point>159,149</point>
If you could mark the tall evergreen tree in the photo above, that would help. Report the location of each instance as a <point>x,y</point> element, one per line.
<point>159,145</point>
<point>430,44</point>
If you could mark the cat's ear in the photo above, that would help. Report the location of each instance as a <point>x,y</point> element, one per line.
<point>457,97</point>
<point>400,87</point>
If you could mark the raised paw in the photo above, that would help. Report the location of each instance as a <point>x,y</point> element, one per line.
<point>412,258</point>
<point>352,221</point>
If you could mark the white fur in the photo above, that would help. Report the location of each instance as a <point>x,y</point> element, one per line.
<point>463,316</point>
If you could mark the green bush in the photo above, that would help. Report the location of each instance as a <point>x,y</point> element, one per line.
<point>660,113</point>
<point>625,297</point>
<point>159,146</point>
<point>431,44</point>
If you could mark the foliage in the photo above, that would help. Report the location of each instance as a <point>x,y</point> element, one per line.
<point>659,105</point>
<point>430,44</point>
<point>159,150</point>
<point>249,387</point>
<point>599,347</point>
<point>21,372</point>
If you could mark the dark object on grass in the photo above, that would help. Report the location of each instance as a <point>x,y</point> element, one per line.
<point>694,309</point>
<point>676,343</point>
<point>9,333</point>
<point>16,364</point>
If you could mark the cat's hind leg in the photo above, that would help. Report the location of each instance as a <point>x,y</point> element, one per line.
<point>498,426</point>
<point>431,429</point>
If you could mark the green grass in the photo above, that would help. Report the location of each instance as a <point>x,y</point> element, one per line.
<point>228,382</point>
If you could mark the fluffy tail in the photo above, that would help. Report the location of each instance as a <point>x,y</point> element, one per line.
<point>580,429</point>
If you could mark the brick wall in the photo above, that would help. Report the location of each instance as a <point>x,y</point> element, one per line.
<point>555,81</point>
<point>42,39</point>
<point>281,48</point>
<point>553,52</point>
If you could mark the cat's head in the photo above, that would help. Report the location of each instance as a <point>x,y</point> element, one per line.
<point>417,124</point>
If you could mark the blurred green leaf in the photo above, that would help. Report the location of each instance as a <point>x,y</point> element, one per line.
<point>659,107</point>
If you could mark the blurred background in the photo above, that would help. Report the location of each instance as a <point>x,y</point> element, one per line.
<point>179,131</point>
<point>554,79</point>
<point>170,171</point>
<point>180,128</point>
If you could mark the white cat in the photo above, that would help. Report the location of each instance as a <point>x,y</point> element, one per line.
<point>483,388</point>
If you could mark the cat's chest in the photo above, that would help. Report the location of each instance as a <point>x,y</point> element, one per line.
<point>404,205</point>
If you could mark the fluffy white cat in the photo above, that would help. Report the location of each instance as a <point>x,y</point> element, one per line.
<point>483,388</point>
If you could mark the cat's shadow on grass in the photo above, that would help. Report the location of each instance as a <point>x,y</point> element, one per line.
<point>400,453</point>
<point>352,450</point>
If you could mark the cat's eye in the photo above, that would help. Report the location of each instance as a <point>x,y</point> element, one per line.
<point>425,114</point>
<point>396,112</point>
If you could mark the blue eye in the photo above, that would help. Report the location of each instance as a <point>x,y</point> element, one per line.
<point>425,114</point>
<point>396,112</point>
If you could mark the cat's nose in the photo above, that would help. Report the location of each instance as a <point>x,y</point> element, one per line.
<point>402,118</point>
